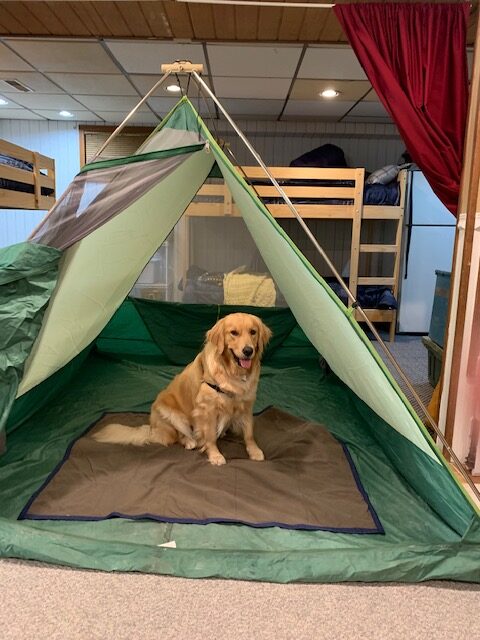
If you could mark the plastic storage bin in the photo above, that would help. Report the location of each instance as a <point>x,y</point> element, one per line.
<point>438,320</point>
<point>435,356</point>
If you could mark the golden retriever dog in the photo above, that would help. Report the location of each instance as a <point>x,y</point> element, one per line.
<point>213,393</point>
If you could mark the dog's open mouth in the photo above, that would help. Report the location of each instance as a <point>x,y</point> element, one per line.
<point>245,363</point>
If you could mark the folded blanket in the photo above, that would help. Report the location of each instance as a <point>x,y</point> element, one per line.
<point>248,289</point>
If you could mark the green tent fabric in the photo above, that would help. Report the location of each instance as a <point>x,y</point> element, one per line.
<point>83,302</point>
<point>28,273</point>
<point>96,352</point>
<point>181,328</point>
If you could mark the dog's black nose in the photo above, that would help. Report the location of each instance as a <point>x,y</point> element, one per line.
<point>247,351</point>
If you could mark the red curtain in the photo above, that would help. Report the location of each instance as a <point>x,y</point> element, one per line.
<point>415,57</point>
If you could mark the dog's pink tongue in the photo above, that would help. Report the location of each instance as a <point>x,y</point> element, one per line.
<point>245,364</point>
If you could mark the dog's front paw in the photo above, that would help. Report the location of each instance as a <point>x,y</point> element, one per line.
<point>216,458</point>
<point>255,453</point>
<point>189,443</point>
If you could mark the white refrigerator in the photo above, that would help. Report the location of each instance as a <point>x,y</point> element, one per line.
<point>428,246</point>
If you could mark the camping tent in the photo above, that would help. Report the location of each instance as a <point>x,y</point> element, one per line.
<point>75,346</point>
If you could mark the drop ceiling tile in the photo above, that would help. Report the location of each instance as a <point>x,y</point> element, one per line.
<point>275,88</point>
<point>9,61</point>
<point>371,96</point>
<point>94,84</point>
<point>47,101</point>
<point>375,109</point>
<point>253,61</point>
<point>145,82</point>
<point>253,107</point>
<point>111,103</point>
<point>35,81</point>
<point>147,57</point>
<point>116,117</point>
<point>350,90</point>
<point>59,55</point>
<point>11,102</point>
<point>320,109</point>
<point>162,105</point>
<point>83,116</point>
<point>337,63</point>
<point>18,114</point>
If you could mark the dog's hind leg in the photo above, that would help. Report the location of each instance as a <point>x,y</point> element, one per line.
<point>169,426</point>
<point>161,432</point>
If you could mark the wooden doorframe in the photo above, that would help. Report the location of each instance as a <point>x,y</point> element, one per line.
<point>104,128</point>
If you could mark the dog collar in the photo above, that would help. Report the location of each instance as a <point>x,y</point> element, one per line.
<point>218,389</point>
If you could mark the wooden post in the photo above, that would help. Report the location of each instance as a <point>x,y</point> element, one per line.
<point>356,231</point>
<point>398,249</point>
<point>469,192</point>
<point>36,177</point>
<point>227,200</point>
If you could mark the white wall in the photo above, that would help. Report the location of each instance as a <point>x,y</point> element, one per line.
<point>278,143</point>
<point>365,145</point>
<point>368,145</point>
<point>58,140</point>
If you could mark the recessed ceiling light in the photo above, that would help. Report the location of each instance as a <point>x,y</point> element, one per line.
<point>65,114</point>
<point>329,93</point>
<point>3,101</point>
<point>173,88</point>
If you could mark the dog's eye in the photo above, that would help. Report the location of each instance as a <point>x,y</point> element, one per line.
<point>253,332</point>
<point>234,333</point>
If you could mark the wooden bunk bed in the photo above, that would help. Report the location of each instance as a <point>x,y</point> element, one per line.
<point>27,178</point>
<point>333,200</point>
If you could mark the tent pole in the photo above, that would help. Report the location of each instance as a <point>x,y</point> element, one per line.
<point>132,112</point>
<point>340,280</point>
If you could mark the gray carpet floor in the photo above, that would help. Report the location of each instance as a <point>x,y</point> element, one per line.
<point>39,601</point>
<point>412,357</point>
<point>45,602</point>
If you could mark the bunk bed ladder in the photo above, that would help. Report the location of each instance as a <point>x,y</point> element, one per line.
<point>386,213</point>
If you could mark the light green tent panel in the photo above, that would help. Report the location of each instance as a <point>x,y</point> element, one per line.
<point>319,314</point>
<point>179,128</point>
<point>99,271</point>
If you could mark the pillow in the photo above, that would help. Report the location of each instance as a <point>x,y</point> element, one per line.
<point>385,175</point>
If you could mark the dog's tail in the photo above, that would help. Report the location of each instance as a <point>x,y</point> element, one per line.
<point>121,434</point>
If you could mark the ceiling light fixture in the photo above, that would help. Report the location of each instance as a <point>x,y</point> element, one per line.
<point>3,101</point>
<point>329,93</point>
<point>65,114</point>
<point>174,88</point>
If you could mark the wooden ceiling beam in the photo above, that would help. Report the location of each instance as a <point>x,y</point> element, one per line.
<point>173,20</point>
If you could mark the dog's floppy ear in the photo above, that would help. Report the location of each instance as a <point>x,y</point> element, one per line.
<point>264,335</point>
<point>216,336</point>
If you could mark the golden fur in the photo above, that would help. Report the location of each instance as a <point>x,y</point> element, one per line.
<point>191,412</point>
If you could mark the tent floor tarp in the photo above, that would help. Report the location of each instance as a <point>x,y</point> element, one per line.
<point>123,372</point>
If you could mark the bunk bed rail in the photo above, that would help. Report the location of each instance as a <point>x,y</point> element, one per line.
<point>31,185</point>
<point>322,193</point>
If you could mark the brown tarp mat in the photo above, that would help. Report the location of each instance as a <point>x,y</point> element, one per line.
<point>308,481</point>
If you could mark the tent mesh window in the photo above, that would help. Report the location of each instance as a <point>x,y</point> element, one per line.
<point>209,259</point>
